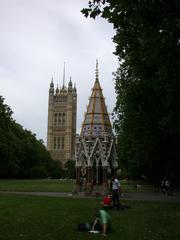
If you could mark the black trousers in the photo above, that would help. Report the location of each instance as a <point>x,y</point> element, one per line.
<point>116,198</point>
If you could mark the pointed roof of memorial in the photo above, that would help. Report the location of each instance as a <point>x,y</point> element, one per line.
<point>96,120</point>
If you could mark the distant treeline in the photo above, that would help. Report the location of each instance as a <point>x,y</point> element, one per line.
<point>22,155</point>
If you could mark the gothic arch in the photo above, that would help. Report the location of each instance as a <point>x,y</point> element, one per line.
<point>83,160</point>
<point>97,169</point>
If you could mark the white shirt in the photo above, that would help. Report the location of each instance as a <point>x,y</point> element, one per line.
<point>116,184</point>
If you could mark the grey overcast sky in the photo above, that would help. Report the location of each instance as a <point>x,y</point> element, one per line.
<point>37,37</point>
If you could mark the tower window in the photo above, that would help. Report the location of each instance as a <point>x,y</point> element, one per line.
<point>59,143</point>
<point>59,119</point>
<point>58,146</point>
<point>62,142</point>
<point>55,119</point>
<point>63,119</point>
<point>54,142</point>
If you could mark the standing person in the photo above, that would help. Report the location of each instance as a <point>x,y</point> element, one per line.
<point>102,222</point>
<point>167,187</point>
<point>115,192</point>
<point>163,189</point>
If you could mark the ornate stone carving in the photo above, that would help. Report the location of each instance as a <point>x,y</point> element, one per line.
<point>96,157</point>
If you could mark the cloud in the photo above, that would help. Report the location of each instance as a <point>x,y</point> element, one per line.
<point>36,38</point>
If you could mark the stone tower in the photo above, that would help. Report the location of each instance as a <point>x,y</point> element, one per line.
<point>61,130</point>
<point>96,158</point>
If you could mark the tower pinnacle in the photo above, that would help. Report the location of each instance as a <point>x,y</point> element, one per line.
<point>97,70</point>
<point>51,84</point>
<point>51,89</point>
<point>57,90</point>
<point>70,85</point>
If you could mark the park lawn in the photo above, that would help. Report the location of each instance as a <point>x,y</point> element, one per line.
<point>132,187</point>
<point>43,185</point>
<point>57,185</point>
<point>48,218</point>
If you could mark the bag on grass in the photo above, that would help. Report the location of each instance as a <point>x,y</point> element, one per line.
<point>82,227</point>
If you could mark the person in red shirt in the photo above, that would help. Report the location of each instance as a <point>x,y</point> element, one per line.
<point>107,201</point>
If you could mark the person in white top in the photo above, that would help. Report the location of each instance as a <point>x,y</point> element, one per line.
<point>115,192</point>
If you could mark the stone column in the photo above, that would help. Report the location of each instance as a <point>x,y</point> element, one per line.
<point>97,175</point>
<point>89,174</point>
<point>104,175</point>
<point>89,180</point>
<point>78,170</point>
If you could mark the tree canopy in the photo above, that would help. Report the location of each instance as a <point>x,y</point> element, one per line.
<point>21,154</point>
<point>147,118</point>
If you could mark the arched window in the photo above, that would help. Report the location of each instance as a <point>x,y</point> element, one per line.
<point>100,173</point>
<point>94,172</point>
<point>59,119</point>
<point>63,119</point>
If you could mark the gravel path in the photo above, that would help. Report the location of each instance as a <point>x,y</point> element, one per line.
<point>139,196</point>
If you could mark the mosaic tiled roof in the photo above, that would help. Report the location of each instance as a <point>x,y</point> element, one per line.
<point>96,121</point>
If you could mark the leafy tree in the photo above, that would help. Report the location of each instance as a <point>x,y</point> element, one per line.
<point>69,169</point>
<point>147,119</point>
<point>55,169</point>
<point>21,154</point>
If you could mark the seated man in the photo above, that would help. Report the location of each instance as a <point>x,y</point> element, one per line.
<point>102,222</point>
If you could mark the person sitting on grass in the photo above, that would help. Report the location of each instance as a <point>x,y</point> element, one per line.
<point>102,222</point>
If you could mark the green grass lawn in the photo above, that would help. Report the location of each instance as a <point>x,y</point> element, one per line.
<point>56,185</point>
<point>46,185</point>
<point>47,218</point>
